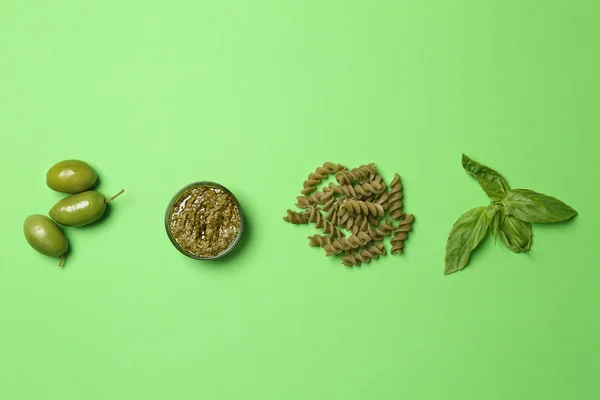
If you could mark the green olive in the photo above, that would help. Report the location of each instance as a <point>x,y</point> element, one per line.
<point>81,208</point>
<point>71,176</point>
<point>45,236</point>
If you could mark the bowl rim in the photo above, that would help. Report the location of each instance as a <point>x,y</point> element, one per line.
<point>178,196</point>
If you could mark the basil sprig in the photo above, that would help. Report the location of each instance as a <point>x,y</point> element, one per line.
<point>509,215</point>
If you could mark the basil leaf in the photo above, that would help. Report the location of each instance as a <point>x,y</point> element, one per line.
<point>515,234</point>
<point>464,237</point>
<point>533,207</point>
<point>490,181</point>
<point>493,216</point>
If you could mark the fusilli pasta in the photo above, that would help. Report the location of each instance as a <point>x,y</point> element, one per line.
<point>365,255</point>
<point>296,217</point>
<point>330,204</point>
<point>315,178</point>
<point>359,175</point>
<point>357,207</point>
<point>358,203</point>
<point>314,216</point>
<point>359,191</point>
<point>345,219</point>
<point>385,228</point>
<point>401,234</point>
<point>318,240</point>
<point>395,198</point>
<point>339,245</point>
<point>332,216</point>
<point>310,200</point>
<point>382,200</point>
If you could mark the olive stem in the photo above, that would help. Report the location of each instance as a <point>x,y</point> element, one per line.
<point>114,197</point>
<point>62,261</point>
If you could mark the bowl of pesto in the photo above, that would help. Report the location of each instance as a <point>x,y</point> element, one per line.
<point>204,220</point>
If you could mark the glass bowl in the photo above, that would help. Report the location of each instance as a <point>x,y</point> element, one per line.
<point>178,196</point>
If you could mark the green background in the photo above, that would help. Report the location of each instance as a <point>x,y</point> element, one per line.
<point>255,95</point>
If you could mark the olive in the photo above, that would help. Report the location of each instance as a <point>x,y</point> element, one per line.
<point>45,236</point>
<point>81,208</point>
<point>71,176</point>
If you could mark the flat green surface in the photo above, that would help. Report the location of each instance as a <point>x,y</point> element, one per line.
<point>255,95</point>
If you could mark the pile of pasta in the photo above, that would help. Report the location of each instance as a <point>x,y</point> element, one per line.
<point>355,215</point>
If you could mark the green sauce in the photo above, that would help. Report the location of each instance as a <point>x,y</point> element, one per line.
<point>205,221</point>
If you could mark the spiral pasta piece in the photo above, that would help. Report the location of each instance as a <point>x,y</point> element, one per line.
<point>361,224</point>
<point>310,200</point>
<point>314,216</point>
<point>366,208</point>
<point>401,234</point>
<point>382,200</point>
<point>296,217</point>
<point>333,168</point>
<point>365,255</point>
<point>349,221</point>
<point>359,175</point>
<point>318,240</point>
<point>345,219</point>
<point>385,228</point>
<point>332,215</point>
<point>330,204</point>
<point>325,197</point>
<point>395,198</point>
<point>322,172</point>
<point>339,245</point>
<point>373,220</point>
<point>345,190</point>
<point>378,232</point>
<point>378,179</point>
<point>359,191</point>
<point>372,232</point>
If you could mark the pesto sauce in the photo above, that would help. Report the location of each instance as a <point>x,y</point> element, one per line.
<point>205,220</point>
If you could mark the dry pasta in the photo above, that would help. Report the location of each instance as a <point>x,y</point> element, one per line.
<point>314,178</point>
<point>386,228</point>
<point>332,215</point>
<point>377,233</point>
<point>330,204</point>
<point>339,245</point>
<point>383,200</point>
<point>360,191</point>
<point>357,207</point>
<point>296,217</point>
<point>360,174</point>
<point>318,240</point>
<point>365,255</point>
<point>345,219</point>
<point>314,216</point>
<point>395,198</point>
<point>310,200</point>
<point>401,234</point>
<point>361,203</point>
